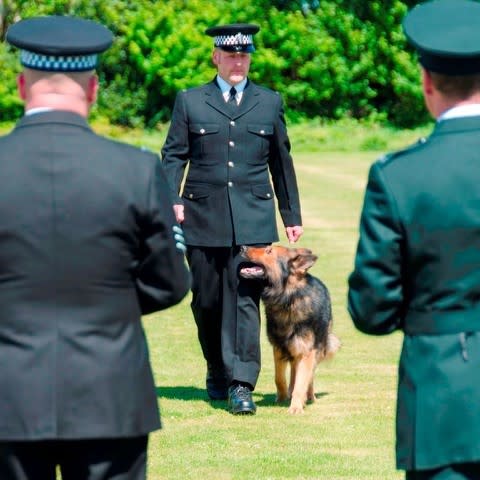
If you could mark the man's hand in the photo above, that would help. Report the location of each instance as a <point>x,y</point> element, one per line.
<point>179,215</point>
<point>294,233</point>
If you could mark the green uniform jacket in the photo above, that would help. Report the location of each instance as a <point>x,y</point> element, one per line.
<point>417,269</point>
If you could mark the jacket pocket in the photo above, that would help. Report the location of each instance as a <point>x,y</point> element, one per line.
<point>204,128</point>
<point>264,191</point>
<point>260,135</point>
<point>204,142</point>
<point>260,129</point>
<point>195,192</point>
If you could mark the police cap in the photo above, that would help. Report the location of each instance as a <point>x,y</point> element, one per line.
<point>446,35</point>
<point>59,43</point>
<point>235,37</point>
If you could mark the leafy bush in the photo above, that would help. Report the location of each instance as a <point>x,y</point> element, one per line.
<point>330,59</point>
<point>11,106</point>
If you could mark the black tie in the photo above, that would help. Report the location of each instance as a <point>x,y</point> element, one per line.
<point>231,99</point>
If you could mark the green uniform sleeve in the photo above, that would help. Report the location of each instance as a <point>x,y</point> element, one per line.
<point>376,296</point>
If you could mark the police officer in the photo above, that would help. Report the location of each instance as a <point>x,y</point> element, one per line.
<point>232,135</point>
<point>417,267</point>
<point>88,243</point>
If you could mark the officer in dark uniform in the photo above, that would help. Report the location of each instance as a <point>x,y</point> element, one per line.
<point>417,267</point>
<point>88,243</point>
<point>232,135</point>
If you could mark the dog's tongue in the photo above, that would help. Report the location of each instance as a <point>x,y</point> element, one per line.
<point>252,270</point>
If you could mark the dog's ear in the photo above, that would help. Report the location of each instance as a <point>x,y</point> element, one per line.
<point>303,261</point>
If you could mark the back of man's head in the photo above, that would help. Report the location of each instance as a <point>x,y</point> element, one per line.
<point>457,88</point>
<point>60,54</point>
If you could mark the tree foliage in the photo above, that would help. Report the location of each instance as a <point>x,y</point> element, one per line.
<point>328,59</point>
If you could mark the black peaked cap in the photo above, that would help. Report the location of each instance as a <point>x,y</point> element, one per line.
<point>60,36</point>
<point>446,35</point>
<point>233,29</point>
<point>234,37</point>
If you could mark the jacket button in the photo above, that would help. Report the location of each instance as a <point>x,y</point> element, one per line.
<point>230,164</point>
<point>262,132</point>
<point>230,184</point>
<point>232,144</point>
<point>232,123</point>
<point>191,195</point>
<point>202,131</point>
<point>268,195</point>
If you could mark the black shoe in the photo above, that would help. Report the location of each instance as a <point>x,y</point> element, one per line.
<point>217,383</point>
<point>240,400</point>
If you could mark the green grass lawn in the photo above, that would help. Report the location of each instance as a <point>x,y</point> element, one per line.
<point>349,432</point>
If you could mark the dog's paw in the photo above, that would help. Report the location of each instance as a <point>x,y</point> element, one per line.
<point>282,398</point>
<point>295,408</point>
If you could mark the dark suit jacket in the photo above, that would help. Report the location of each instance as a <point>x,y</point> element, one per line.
<point>417,269</point>
<point>232,151</point>
<point>86,247</point>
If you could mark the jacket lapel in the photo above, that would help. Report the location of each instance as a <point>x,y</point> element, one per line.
<point>250,99</point>
<point>214,98</point>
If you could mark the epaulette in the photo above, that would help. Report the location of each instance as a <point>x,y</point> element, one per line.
<point>266,89</point>
<point>410,148</point>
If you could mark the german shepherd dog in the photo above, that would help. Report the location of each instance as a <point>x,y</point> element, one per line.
<point>299,317</point>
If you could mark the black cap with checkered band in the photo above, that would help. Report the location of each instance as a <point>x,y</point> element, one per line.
<point>235,37</point>
<point>59,43</point>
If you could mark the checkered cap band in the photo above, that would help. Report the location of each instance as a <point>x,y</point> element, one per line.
<point>237,39</point>
<point>53,63</point>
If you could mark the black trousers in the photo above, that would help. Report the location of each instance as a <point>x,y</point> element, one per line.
<point>460,471</point>
<point>104,459</point>
<point>226,311</point>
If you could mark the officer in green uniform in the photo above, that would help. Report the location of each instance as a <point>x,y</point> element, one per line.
<point>417,266</point>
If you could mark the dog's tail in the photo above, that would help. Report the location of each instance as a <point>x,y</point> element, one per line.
<point>332,346</point>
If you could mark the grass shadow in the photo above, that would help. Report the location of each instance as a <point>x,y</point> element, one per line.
<point>268,399</point>
<point>191,393</point>
<point>181,392</point>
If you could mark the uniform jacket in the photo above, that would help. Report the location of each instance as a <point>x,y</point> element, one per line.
<point>231,151</point>
<point>86,247</point>
<point>417,269</point>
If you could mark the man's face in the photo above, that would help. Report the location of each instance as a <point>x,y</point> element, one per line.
<point>231,66</point>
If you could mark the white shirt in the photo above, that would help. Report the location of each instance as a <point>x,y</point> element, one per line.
<point>471,110</point>
<point>225,88</point>
<point>32,111</point>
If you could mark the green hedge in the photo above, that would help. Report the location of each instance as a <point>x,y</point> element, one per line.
<point>328,59</point>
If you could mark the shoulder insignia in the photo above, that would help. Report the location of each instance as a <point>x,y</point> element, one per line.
<point>390,156</point>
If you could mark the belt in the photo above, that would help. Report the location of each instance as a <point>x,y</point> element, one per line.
<point>442,321</point>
